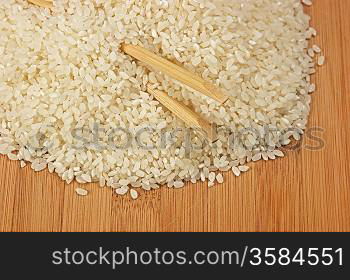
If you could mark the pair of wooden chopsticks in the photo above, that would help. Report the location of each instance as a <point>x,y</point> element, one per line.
<point>42,3</point>
<point>184,76</point>
<point>189,117</point>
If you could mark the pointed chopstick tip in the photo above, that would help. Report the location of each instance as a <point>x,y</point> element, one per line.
<point>218,95</point>
<point>42,3</point>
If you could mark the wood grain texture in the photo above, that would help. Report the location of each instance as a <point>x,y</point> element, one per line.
<point>306,191</point>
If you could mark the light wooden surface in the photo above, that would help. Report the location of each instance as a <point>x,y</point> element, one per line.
<point>306,191</point>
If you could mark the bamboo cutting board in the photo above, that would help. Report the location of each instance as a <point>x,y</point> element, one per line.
<point>305,191</point>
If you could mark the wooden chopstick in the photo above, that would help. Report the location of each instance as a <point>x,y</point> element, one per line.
<point>190,118</point>
<point>176,72</point>
<point>42,3</point>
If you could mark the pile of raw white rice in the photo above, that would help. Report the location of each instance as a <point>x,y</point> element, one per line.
<point>72,102</point>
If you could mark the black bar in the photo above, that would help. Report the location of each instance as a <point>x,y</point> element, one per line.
<point>34,254</point>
